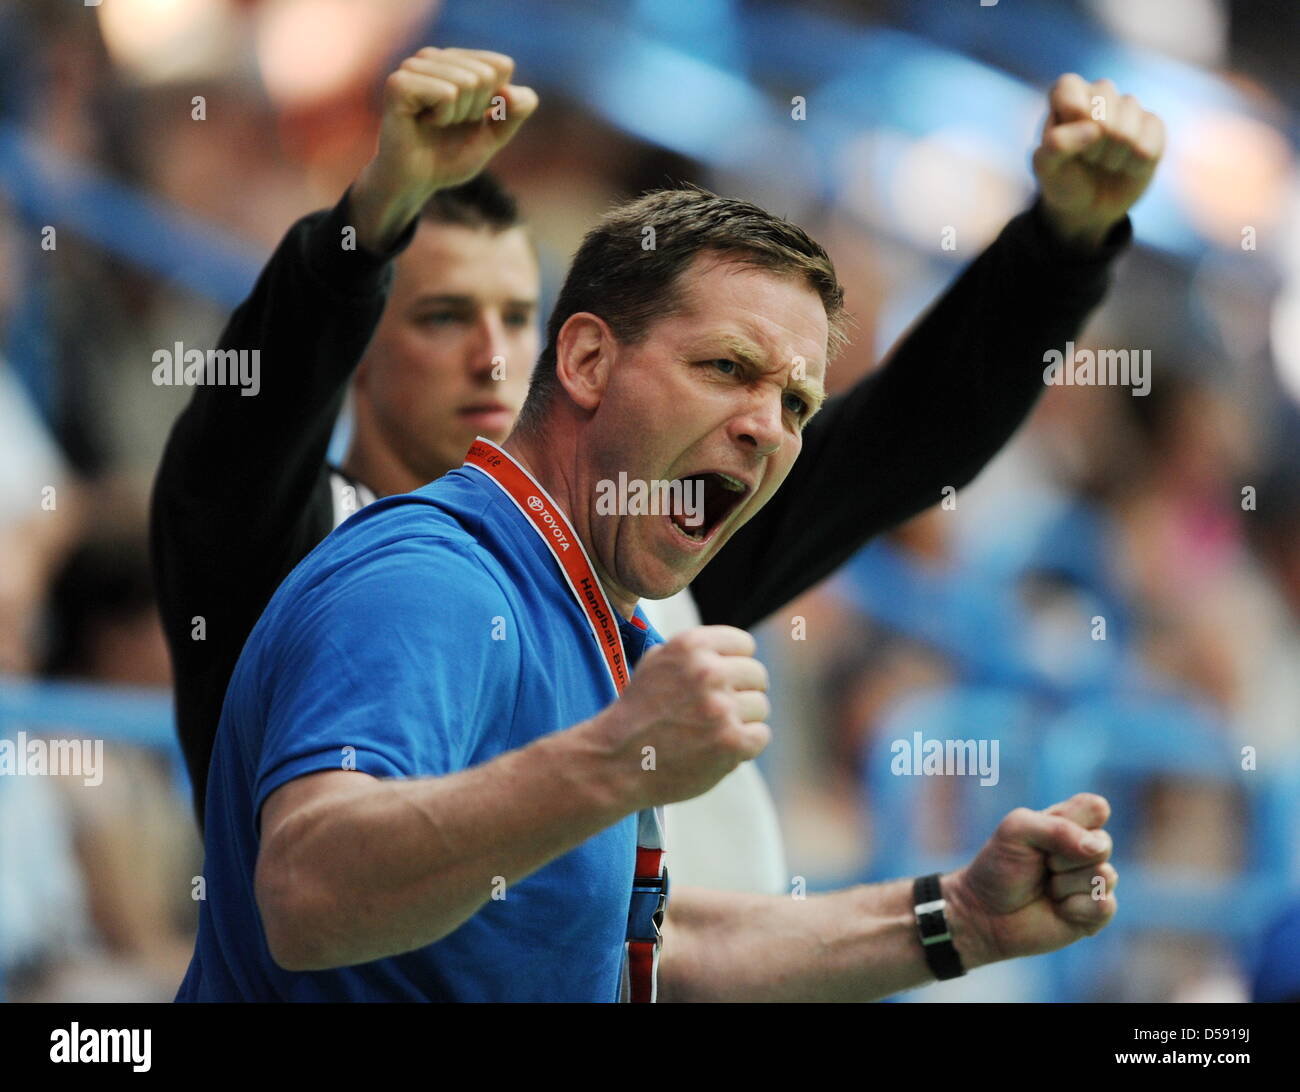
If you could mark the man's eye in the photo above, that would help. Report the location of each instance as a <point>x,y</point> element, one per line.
<point>796,405</point>
<point>516,320</point>
<point>438,318</point>
<point>727,367</point>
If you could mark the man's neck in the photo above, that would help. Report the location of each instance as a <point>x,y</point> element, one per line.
<point>551,466</point>
<point>383,474</point>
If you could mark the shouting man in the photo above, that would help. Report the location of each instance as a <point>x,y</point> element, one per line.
<point>434,777</point>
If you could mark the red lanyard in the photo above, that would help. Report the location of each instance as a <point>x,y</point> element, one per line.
<point>650,882</point>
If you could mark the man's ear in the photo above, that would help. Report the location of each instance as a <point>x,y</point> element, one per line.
<point>584,357</point>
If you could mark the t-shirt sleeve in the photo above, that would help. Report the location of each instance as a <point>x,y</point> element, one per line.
<point>396,669</point>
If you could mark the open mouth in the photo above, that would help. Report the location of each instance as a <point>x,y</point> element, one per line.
<point>717,495</point>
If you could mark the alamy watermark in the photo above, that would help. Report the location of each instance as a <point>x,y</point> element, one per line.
<point>113,1045</point>
<point>38,756</point>
<point>945,758</point>
<point>1103,368</point>
<point>636,497</point>
<point>182,367</point>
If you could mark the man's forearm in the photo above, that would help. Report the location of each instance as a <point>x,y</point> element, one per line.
<point>382,210</point>
<point>388,866</point>
<point>859,944</point>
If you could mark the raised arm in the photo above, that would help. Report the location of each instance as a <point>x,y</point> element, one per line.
<point>250,461</point>
<point>964,378</point>
<point>243,491</point>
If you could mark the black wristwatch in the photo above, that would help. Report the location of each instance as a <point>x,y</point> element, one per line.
<point>932,924</point>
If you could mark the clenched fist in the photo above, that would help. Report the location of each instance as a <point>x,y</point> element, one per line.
<point>698,703</point>
<point>1098,154</point>
<point>1044,880</point>
<point>447,112</point>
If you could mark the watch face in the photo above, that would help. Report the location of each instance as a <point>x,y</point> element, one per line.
<point>933,926</point>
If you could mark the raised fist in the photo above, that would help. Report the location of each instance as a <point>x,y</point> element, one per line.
<point>1098,154</point>
<point>691,713</point>
<point>447,112</point>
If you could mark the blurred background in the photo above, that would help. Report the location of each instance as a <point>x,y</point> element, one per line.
<point>1175,517</point>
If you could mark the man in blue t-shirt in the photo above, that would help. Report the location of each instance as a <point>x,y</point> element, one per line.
<point>429,771</point>
<point>431,635</point>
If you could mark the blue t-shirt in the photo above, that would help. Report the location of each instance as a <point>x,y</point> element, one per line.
<point>432,632</point>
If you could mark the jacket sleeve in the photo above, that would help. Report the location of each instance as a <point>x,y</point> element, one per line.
<point>250,462</point>
<point>943,403</point>
<point>242,493</point>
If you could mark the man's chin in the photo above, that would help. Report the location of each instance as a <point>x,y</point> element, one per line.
<point>658,595</point>
<point>495,427</point>
<point>456,445</point>
<point>666,583</point>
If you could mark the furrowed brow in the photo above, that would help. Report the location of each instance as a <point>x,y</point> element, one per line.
<point>744,351</point>
<point>753,357</point>
<point>814,395</point>
<point>444,300</point>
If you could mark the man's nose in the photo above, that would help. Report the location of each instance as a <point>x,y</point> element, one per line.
<point>489,344</point>
<point>760,425</point>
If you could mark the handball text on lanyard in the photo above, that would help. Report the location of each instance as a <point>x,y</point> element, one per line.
<point>650,880</point>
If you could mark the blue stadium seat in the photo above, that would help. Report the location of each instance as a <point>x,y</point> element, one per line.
<point>1119,746</point>
<point>901,808</point>
<point>899,804</point>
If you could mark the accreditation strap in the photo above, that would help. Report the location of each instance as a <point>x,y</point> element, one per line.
<point>650,879</point>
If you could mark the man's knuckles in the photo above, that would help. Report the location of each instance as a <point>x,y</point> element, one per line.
<point>1052,833</point>
<point>503,65</point>
<point>1088,809</point>
<point>1016,823</point>
<point>1084,881</point>
<point>1065,138</point>
<point>1080,855</point>
<point>724,640</point>
<point>685,646</point>
<point>1069,96</point>
<point>743,742</point>
<point>716,708</point>
<point>1086,913</point>
<point>752,705</point>
<point>463,83</point>
<point>703,671</point>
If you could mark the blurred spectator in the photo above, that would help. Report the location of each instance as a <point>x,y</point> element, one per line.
<point>36,521</point>
<point>124,907</point>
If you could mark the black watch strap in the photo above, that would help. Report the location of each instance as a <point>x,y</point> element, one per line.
<point>932,923</point>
